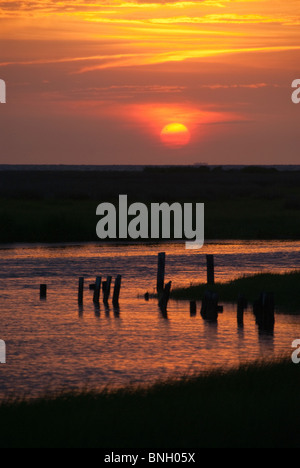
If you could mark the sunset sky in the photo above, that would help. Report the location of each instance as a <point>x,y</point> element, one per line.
<point>99,82</point>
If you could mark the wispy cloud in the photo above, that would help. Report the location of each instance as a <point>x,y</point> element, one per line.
<point>228,19</point>
<point>143,58</point>
<point>177,56</point>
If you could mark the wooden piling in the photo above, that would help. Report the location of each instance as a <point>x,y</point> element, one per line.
<point>165,296</point>
<point>268,311</point>
<point>209,309</point>
<point>264,311</point>
<point>106,292</point>
<point>43,291</point>
<point>210,269</point>
<point>80,290</point>
<point>97,290</point>
<point>241,306</point>
<point>161,272</point>
<point>193,308</point>
<point>117,289</point>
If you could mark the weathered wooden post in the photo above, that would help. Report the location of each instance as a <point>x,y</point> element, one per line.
<point>193,308</point>
<point>161,272</point>
<point>209,309</point>
<point>264,311</point>
<point>43,291</point>
<point>241,306</point>
<point>268,311</point>
<point>210,269</point>
<point>165,296</point>
<point>80,290</point>
<point>106,292</point>
<point>117,289</point>
<point>97,290</point>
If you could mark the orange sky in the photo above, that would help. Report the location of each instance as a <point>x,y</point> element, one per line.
<point>94,82</point>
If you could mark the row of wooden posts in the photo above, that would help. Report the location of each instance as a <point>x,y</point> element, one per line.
<point>96,287</point>
<point>263,307</point>
<point>106,290</point>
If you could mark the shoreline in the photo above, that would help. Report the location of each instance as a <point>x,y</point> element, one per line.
<point>120,243</point>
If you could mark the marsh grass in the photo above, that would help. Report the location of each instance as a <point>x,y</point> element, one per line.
<point>60,206</point>
<point>255,406</point>
<point>284,286</point>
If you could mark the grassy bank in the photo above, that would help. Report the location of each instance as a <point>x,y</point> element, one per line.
<point>47,221</point>
<point>284,286</point>
<point>65,220</point>
<point>45,206</point>
<point>254,406</point>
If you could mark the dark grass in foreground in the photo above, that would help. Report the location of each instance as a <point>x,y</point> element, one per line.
<point>284,286</point>
<point>254,406</point>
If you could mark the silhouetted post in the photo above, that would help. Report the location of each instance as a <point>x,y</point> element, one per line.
<point>264,311</point>
<point>117,289</point>
<point>241,306</point>
<point>107,289</point>
<point>193,308</point>
<point>80,290</point>
<point>43,291</point>
<point>209,309</point>
<point>165,296</point>
<point>161,272</point>
<point>210,269</point>
<point>268,311</point>
<point>97,290</point>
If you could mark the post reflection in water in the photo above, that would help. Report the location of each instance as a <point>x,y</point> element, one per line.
<point>80,310</point>
<point>59,343</point>
<point>117,311</point>
<point>97,310</point>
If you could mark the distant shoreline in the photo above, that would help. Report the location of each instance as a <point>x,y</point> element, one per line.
<point>138,168</point>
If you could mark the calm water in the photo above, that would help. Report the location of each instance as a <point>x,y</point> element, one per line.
<point>54,343</point>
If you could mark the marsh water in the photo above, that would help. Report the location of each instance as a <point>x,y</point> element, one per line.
<point>55,343</point>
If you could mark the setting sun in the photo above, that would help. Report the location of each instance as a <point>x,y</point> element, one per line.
<point>175,135</point>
